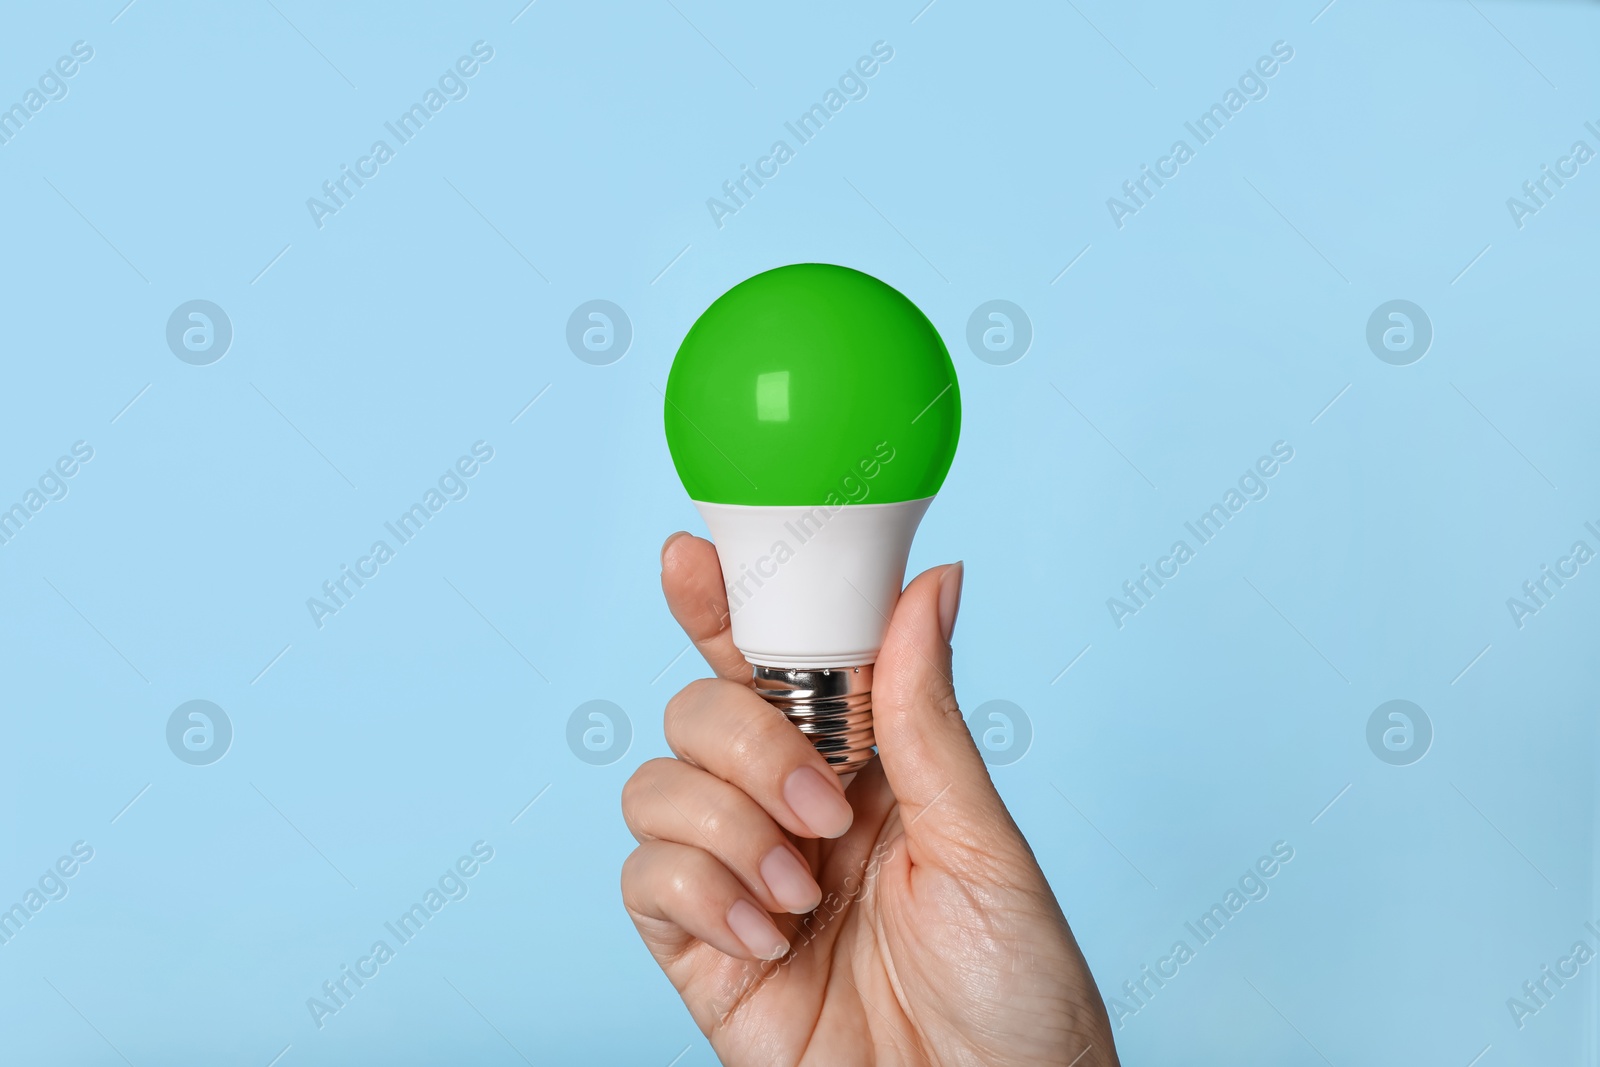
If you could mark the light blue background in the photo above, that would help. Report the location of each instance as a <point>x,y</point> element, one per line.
<point>1223,317</point>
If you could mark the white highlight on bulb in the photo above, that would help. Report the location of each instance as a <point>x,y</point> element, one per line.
<point>812,586</point>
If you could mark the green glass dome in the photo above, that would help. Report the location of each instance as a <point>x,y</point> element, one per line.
<point>812,384</point>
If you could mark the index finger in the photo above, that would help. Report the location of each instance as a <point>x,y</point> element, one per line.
<point>691,578</point>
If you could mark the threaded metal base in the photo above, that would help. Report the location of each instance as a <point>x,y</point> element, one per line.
<point>831,706</point>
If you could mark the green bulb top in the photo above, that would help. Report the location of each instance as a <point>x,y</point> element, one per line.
<point>812,384</point>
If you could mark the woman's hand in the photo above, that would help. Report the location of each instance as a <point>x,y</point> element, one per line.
<point>903,921</point>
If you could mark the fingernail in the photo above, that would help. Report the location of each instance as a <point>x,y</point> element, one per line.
<point>950,598</point>
<point>818,802</point>
<point>791,884</point>
<point>668,543</point>
<point>751,925</point>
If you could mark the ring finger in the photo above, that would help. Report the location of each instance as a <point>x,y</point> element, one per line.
<point>668,800</point>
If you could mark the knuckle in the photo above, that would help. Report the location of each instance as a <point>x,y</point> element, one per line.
<point>630,794</point>
<point>672,714</point>
<point>683,884</point>
<point>685,702</point>
<point>945,704</point>
<point>935,692</point>
<point>761,734</point>
<point>639,790</point>
<point>656,871</point>
<point>718,824</point>
<point>702,688</point>
<point>633,875</point>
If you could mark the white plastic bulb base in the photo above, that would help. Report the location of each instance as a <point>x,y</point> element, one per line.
<point>810,594</point>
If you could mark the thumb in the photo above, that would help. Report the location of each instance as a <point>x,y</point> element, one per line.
<point>928,755</point>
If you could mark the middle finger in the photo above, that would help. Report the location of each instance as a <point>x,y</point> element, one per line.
<point>727,729</point>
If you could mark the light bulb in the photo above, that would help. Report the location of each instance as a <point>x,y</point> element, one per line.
<point>812,412</point>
